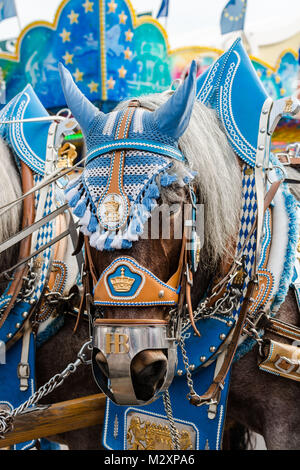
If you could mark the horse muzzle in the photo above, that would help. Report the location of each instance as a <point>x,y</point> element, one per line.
<point>119,343</point>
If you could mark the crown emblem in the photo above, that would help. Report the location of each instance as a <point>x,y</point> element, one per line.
<point>122,283</point>
<point>111,213</point>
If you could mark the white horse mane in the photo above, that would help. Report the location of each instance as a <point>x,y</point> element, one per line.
<point>10,189</point>
<point>209,154</point>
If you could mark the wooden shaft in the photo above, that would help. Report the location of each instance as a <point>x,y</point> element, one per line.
<point>58,418</point>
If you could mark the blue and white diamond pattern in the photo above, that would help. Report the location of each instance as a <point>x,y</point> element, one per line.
<point>44,236</point>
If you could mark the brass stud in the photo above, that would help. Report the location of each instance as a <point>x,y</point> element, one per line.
<point>18,325</point>
<point>212,349</point>
<point>9,335</point>
<point>161,294</point>
<point>25,314</point>
<point>222,336</point>
<point>192,367</point>
<point>179,372</point>
<point>229,323</point>
<point>203,358</point>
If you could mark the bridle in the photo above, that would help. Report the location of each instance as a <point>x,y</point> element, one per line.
<point>126,283</point>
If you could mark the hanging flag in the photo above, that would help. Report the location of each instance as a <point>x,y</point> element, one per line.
<point>164,9</point>
<point>7,9</point>
<point>233,16</point>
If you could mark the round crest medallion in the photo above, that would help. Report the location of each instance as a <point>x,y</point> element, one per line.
<point>112,211</point>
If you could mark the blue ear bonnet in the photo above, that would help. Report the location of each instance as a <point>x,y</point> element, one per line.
<point>145,174</point>
<point>231,86</point>
<point>146,164</point>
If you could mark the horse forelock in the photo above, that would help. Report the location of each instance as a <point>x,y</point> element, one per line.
<point>218,180</point>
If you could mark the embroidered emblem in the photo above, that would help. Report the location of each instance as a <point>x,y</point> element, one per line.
<point>112,211</point>
<point>155,434</point>
<point>122,283</point>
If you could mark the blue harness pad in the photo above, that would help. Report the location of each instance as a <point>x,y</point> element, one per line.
<point>10,394</point>
<point>196,430</point>
<point>221,87</point>
<point>27,139</point>
<point>204,431</point>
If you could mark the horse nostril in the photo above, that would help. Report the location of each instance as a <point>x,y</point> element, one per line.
<point>148,372</point>
<point>102,363</point>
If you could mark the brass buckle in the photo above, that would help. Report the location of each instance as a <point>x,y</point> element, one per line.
<point>289,361</point>
<point>23,370</point>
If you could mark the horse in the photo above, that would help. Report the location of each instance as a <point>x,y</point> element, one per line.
<point>263,403</point>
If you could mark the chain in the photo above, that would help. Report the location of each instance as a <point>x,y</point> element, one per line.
<point>186,363</point>
<point>169,413</point>
<point>7,417</point>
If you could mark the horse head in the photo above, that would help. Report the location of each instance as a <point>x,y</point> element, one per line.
<point>154,151</point>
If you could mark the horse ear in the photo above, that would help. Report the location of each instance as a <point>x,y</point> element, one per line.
<point>173,117</point>
<point>82,109</point>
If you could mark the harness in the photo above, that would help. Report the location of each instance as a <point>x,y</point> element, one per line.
<point>40,270</point>
<point>209,336</point>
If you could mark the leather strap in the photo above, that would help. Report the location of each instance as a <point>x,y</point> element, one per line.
<point>218,382</point>
<point>286,160</point>
<point>283,329</point>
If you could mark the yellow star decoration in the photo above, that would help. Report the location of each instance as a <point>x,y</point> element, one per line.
<point>88,6</point>
<point>127,53</point>
<point>277,79</point>
<point>73,17</point>
<point>259,73</point>
<point>269,73</point>
<point>122,18</point>
<point>282,91</point>
<point>111,83</point>
<point>65,35</point>
<point>93,86</point>
<point>112,6</point>
<point>128,35</point>
<point>68,58</point>
<point>122,72</point>
<point>78,75</point>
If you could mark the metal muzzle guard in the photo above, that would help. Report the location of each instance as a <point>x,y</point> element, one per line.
<point>120,341</point>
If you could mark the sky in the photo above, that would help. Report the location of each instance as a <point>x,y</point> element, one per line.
<point>190,22</point>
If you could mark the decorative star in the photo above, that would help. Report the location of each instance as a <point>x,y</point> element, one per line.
<point>277,79</point>
<point>259,73</point>
<point>282,91</point>
<point>65,35</point>
<point>68,58</point>
<point>111,83</point>
<point>122,18</point>
<point>269,73</point>
<point>88,6</point>
<point>73,17</point>
<point>93,86</point>
<point>112,6</point>
<point>122,72</point>
<point>78,75</point>
<point>127,53</point>
<point>128,35</point>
